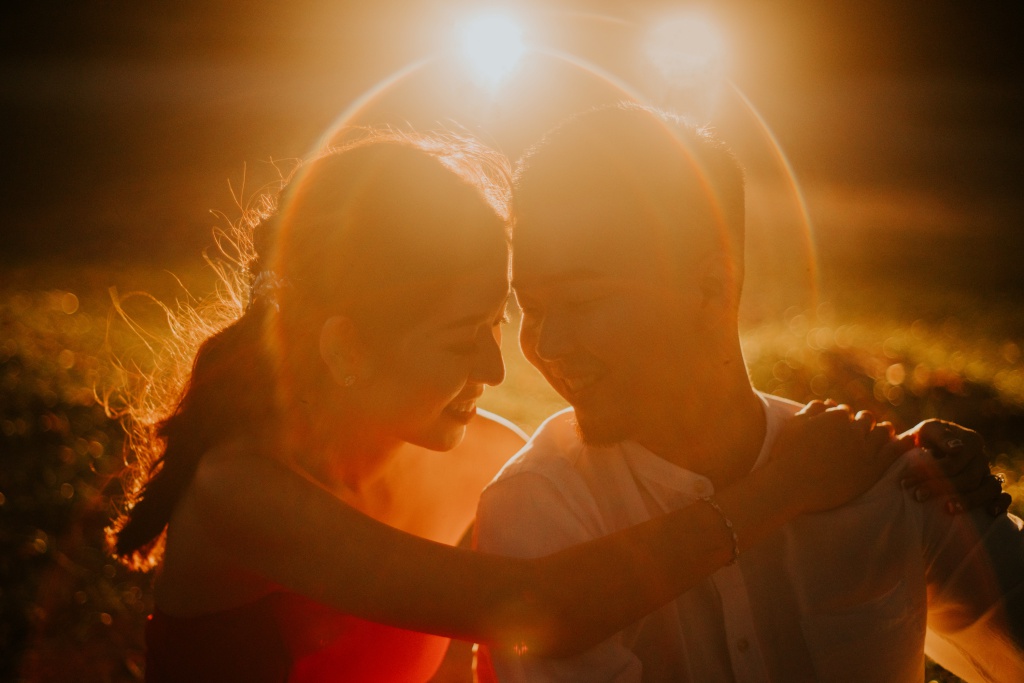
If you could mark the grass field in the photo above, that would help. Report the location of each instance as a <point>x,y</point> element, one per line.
<point>67,612</point>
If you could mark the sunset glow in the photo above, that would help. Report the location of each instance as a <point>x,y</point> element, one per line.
<point>824,201</point>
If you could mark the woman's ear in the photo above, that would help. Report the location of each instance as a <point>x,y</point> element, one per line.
<point>342,351</point>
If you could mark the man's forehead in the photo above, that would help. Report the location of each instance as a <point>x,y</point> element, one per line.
<point>592,234</point>
<point>574,238</point>
<point>578,217</point>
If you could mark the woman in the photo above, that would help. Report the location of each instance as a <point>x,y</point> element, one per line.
<point>299,494</point>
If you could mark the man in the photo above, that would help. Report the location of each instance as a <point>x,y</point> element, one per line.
<point>628,267</point>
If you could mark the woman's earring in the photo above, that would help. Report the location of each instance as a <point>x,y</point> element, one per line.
<point>349,380</point>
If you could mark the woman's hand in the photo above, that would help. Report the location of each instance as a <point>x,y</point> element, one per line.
<point>958,470</point>
<point>826,456</point>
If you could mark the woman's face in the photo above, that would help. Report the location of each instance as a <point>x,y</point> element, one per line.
<point>422,387</point>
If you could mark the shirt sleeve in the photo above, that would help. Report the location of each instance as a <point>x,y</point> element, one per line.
<point>975,572</point>
<point>527,515</point>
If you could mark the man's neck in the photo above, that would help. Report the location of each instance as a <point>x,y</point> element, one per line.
<point>716,431</point>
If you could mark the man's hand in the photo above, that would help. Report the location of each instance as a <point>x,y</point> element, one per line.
<point>958,470</point>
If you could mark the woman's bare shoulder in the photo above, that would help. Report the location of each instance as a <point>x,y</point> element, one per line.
<point>241,455</point>
<point>228,453</point>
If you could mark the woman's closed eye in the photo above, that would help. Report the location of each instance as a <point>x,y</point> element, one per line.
<point>468,346</point>
<point>463,348</point>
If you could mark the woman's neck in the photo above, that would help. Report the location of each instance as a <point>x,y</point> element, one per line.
<point>349,460</point>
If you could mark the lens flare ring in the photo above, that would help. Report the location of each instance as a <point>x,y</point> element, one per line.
<point>513,39</point>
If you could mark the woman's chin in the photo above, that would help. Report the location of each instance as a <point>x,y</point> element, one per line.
<point>444,435</point>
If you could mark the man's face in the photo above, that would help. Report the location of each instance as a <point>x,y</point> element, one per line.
<point>604,319</point>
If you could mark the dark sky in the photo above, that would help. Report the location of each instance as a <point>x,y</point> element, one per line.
<point>124,121</point>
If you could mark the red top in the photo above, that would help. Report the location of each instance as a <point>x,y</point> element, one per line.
<point>284,637</point>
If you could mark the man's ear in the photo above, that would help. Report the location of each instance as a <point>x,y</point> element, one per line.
<point>342,351</point>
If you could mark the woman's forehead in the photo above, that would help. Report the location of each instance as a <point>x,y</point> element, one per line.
<point>471,300</point>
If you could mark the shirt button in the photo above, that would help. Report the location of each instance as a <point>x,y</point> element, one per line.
<point>742,644</point>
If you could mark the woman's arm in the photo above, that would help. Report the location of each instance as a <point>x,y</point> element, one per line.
<point>288,529</point>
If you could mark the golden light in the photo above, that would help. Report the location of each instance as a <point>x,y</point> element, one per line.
<point>687,49</point>
<point>492,45</point>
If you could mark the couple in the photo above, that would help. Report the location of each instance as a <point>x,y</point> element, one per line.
<point>300,501</point>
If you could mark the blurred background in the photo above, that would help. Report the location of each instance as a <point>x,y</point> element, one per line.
<point>882,142</point>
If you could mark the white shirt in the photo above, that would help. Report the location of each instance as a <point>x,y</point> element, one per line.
<point>858,593</point>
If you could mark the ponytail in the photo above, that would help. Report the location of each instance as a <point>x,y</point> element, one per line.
<point>230,390</point>
<point>213,382</point>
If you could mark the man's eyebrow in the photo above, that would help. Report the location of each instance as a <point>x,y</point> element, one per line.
<point>473,319</point>
<point>577,274</point>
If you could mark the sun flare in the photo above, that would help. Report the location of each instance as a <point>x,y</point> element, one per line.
<point>492,45</point>
<point>687,49</point>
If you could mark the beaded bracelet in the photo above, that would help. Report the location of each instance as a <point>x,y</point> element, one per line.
<point>728,524</point>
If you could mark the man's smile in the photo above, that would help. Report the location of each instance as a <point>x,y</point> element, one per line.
<point>575,382</point>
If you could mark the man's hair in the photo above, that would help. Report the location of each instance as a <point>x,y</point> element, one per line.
<point>669,167</point>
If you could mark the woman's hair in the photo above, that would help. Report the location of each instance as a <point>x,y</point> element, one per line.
<point>374,227</point>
